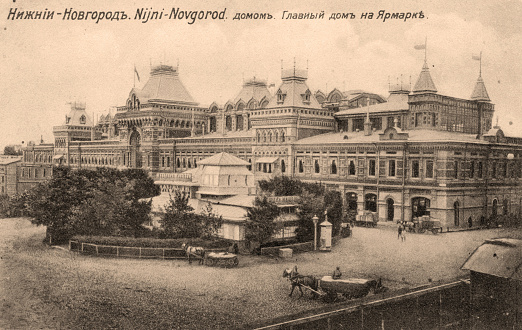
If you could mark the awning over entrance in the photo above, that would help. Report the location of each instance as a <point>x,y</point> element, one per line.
<point>266,160</point>
<point>56,157</point>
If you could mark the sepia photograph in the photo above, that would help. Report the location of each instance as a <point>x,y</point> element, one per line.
<point>260,165</point>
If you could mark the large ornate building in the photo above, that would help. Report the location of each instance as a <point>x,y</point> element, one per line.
<point>412,154</point>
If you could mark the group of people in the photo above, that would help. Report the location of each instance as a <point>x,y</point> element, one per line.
<point>335,275</point>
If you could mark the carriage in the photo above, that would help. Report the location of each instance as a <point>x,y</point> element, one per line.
<point>222,259</point>
<point>367,219</point>
<point>424,224</point>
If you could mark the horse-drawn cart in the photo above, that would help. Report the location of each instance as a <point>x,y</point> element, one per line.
<point>367,219</point>
<point>223,259</point>
<point>424,224</point>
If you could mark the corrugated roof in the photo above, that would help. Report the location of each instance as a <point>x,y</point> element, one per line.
<point>424,83</point>
<point>499,257</point>
<point>223,159</point>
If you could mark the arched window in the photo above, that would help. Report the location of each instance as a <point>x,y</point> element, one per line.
<point>282,136</point>
<point>316,166</point>
<point>370,202</point>
<point>283,166</point>
<point>178,163</point>
<point>456,213</point>
<point>301,169</point>
<point>195,163</point>
<point>189,163</point>
<point>390,209</point>
<point>333,167</point>
<point>420,206</point>
<point>184,163</point>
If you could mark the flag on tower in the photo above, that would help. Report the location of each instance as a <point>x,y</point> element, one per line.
<point>476,57</point>
<point>136,72</point>
<point>420,46</point>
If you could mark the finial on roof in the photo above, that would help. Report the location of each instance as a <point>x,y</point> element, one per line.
<point>479,92</point>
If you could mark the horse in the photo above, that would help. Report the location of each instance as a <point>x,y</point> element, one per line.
<point>301,280</point>
<point>194,251</point>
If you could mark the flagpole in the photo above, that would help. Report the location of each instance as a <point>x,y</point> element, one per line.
<point>426,50</point>
<point>480,64</point>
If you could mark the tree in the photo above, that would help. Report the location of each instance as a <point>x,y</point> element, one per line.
<point>210,222</point>
<point>260,225</point>
<point>178,220</point>
<point>104,201</point>
<point>10,150</point>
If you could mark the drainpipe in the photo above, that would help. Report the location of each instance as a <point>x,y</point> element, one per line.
<point>405,147</point>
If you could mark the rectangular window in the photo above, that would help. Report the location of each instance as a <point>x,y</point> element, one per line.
<point>479,170</point>
<point>371,167</point>
<point>456,169</point>
<point>391,167</point>
<point>415,169</point>
<point>351,168</point>
<point>429,169</point>
<point>471,169</point>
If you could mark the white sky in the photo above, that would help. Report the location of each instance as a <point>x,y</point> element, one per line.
<point>46,63</point>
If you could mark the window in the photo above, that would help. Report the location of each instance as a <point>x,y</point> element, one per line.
<point>351,168</point>
<point>82,119</point>
<point>283,166</point>
<point>316,166</point>
<point>301,169</point>
<point>371,167</point>
<point>391,167</point>
<point>333,168</point>
<point>479,170</point>
<point>456,169</point>
<point>471,169</point>
<point>370,202</point>
<point>178,164</point>
<point>415,173</point>
<point>429,169</point>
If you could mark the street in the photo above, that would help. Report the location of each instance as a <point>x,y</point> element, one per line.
<point>43,287</point>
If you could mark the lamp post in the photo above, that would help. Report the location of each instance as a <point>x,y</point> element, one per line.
<point>315,219</point>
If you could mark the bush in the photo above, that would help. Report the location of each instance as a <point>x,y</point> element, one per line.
<point>151,242</point>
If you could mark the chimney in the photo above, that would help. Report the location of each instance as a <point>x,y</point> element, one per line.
<point>367,122</point>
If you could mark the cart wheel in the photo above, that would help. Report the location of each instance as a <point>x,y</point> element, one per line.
<point>435,231</point>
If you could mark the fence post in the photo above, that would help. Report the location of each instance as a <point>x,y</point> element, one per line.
<point>140,252</point>
<point>117,251</point>
<point>82,247</point>
<point>163,253</point>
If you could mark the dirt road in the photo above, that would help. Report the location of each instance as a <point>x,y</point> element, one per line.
<point>48,288</point>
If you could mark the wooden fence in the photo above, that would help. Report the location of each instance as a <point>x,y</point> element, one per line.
<point>441,307</point>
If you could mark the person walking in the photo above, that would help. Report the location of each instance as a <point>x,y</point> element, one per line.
<point>337,273</point>
<point>400,229</point>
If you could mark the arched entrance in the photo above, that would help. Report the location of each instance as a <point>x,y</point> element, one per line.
<point>456,213</point>
<point>494,209</point>
<point>370,202</point>
<point>213,125</point>
<point>420,206</point>
<point>135,153</point>
<point>390,210</point>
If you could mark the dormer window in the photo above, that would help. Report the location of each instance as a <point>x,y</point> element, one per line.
<point>67,119</point>
<point>82,119</point>
<point>280,96</point>
<point>306,96</point>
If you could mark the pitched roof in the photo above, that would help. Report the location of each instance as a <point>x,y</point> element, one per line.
<point>425,83</point>
<point>223,159</point>
<point>396,102</point>
<point>6,160</point>
<point>164,85</point>
<point>253,89</point>
<point>479,92</point>
<point>78,116</point>
<point>293,89</point>
<point>500,257</point>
